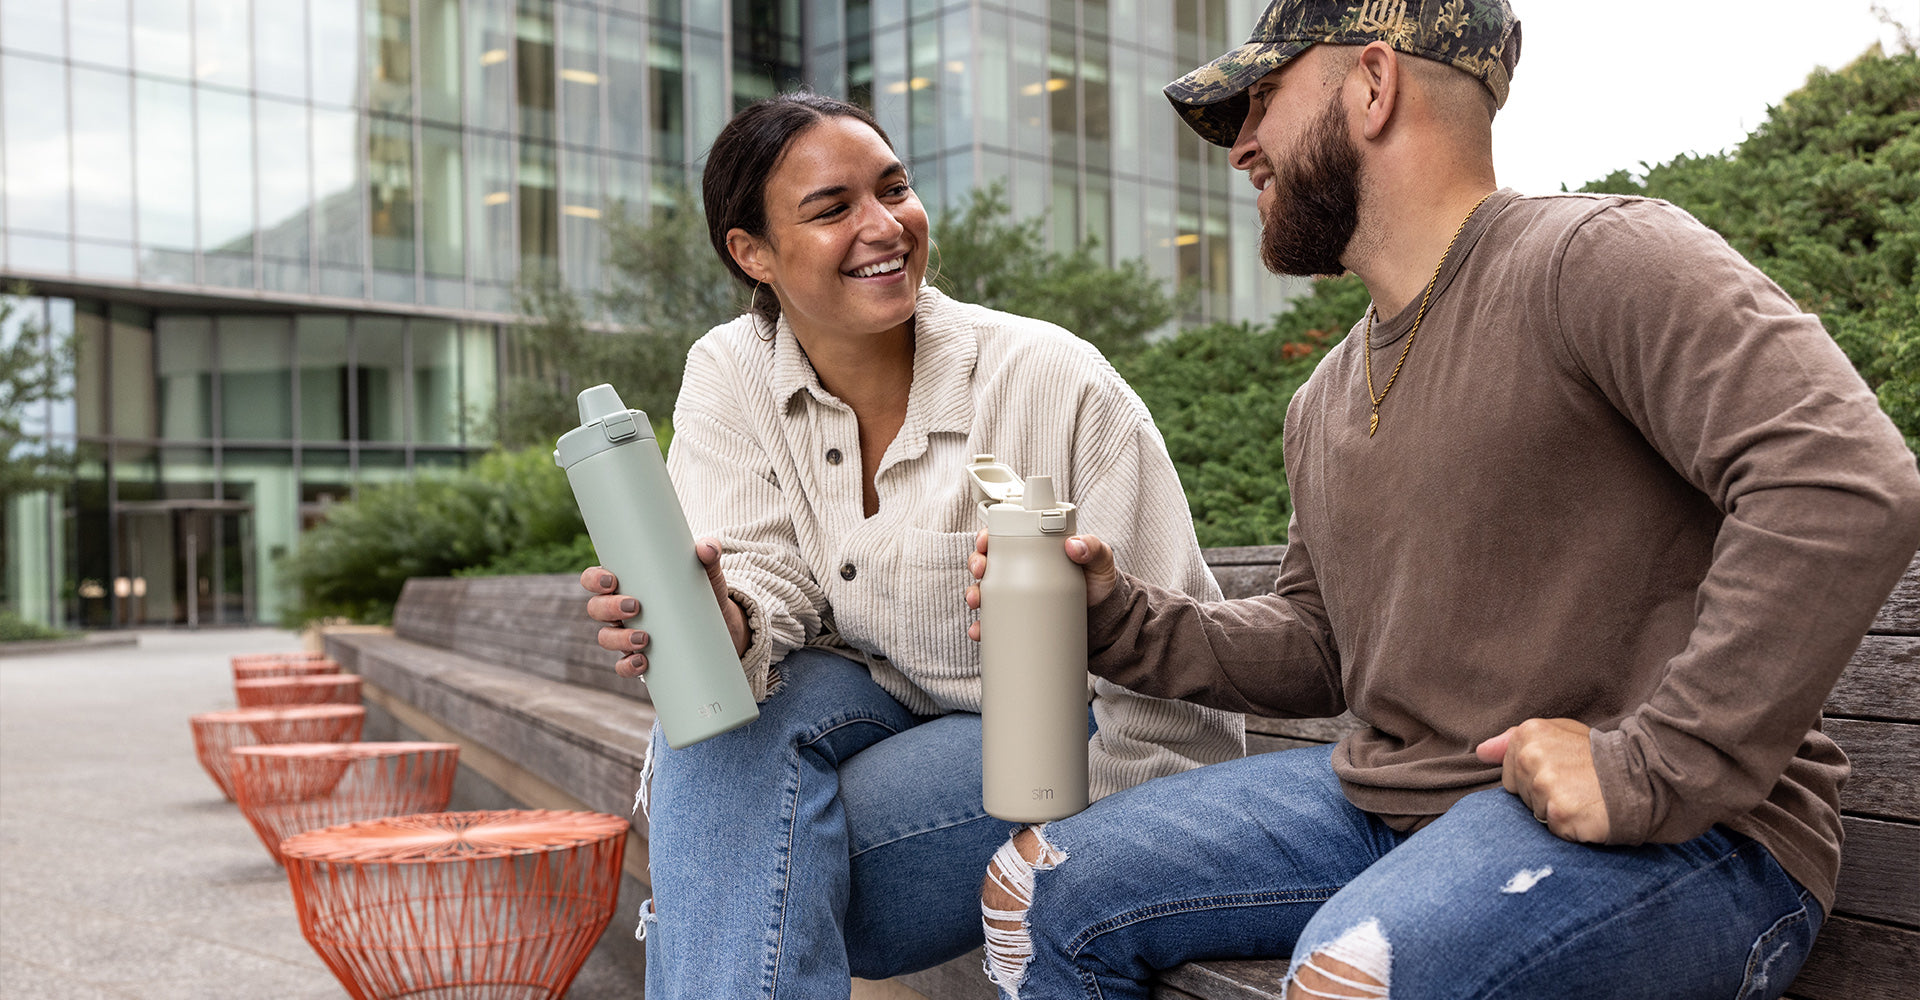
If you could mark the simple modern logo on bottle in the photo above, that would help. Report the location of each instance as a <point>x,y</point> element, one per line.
<point>709,710</point>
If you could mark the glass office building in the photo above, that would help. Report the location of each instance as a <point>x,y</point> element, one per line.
<point>285,235</point>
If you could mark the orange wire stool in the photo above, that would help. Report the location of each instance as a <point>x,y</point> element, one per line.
<point>305,666</point>
<point>289,788</point>
<point>215,734</point>
<point>314,689</point>
<point>502,905</point>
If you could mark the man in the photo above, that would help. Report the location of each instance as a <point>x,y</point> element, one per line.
<point>1588,517</point>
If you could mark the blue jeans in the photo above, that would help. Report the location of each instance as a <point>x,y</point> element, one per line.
<point>837,835</point>
<point>1264,857</point>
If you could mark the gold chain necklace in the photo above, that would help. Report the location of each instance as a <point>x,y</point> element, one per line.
<point>1366,339</point>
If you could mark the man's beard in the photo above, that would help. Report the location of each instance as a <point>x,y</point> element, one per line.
<point>1316,203</point>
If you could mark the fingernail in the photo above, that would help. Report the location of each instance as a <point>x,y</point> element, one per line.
<point>639,640</point>
<point>606,580</point>
<point>629,606</point>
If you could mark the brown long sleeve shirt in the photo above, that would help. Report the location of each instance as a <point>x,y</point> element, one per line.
<point>1623,479</point>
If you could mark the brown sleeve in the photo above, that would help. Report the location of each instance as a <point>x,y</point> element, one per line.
<point>1269,655</point>
<point>1750,400</point>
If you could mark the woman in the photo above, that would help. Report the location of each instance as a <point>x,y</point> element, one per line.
<point>820,442</point>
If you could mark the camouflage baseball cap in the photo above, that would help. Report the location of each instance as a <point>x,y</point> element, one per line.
<point>1481,37</point>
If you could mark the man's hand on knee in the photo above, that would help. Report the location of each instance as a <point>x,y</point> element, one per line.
<point>1548,763</point>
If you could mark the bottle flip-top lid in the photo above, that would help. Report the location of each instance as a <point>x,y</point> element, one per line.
<point>605,422</point>
<point>1013,506</point>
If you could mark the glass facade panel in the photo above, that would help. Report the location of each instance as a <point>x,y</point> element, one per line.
<point>489,64</point>
<point>581,83</point>
<point>226,187</point>
<point>436,382</point>
<point>625,84</point>
<point>539,203</point>
<point>131,377</point>
<point>666,95</point>
<point>580,211</point>
<point>334,50</point>
<point>98,31</point>
<point>390,194</point>
<point>163,38</point>
<point>491,197</point>
<point>223,43</point>
<point>321,353</point>
<point>286,228</point>
<point>442,195</point>
<point>256,377</point>
<point>477,383</point>
<point>533,67</point>
<point>338,209</point>
<point>90,369</point>
<point>326,478</point>
<point>183,373</point>
<point>102,156</point>
<point>263,479</point>
<point>390,56</point>
<point>280,49</point>
<point>379,379</point>
<point>34,27</point>
<point>439,72</point>
<point>39,187</point>
<point>164,179</point>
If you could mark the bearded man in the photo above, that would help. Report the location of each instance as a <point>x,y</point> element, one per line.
<point>1588,518</point>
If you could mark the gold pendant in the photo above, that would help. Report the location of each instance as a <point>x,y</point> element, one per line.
<point>1373,422</point>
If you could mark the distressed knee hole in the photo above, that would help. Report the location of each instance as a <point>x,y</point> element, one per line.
<point>1355,966</point>
<point>1004,900</point>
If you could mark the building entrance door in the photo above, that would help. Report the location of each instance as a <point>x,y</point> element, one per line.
<point>184,562</point>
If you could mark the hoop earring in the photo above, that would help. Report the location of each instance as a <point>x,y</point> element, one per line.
<point>753,309</point>
<point>933,266</point>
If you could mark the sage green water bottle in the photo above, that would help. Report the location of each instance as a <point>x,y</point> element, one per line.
<point>1033,651</point>
<point>640,532</point>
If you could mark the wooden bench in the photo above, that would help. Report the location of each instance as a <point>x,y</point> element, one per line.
<point>508,667</point>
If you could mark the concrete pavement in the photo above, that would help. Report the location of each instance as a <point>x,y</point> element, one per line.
<point>123,871</point>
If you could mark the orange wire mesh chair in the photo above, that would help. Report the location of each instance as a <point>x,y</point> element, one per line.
<point>283,665</point>
<point>289,788</point>
<point>315,689</point>
<point>501,905</point>
<point>215,734</point>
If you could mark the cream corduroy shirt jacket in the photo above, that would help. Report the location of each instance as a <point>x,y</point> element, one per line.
<point>768,462</point>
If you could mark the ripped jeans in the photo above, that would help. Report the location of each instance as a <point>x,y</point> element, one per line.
<point>836,835</point>
<point>1264,857</point>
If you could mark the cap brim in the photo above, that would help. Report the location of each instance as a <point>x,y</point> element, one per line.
<point>1212,100</point>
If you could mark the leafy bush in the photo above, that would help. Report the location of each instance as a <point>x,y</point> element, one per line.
<point>1219,395</point>
<point>512,512</point>
<point>13,628</point>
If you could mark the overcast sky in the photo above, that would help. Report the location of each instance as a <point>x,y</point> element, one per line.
<point>1605,85</point>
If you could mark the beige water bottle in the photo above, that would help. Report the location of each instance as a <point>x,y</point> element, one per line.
<point>1033,650</point>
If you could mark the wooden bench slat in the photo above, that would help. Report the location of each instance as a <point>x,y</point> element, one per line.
<point>1859,960</point>
<point>1882,681</point>
<point>1880,871</point>
<point>1886,757</point>
<point>1258,979</point>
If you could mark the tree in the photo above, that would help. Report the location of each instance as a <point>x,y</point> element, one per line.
<point>1219,395</point>
<point>36,366</point>
<point>667,287</point>
<point>1825,198</point>
<point>986,258</point>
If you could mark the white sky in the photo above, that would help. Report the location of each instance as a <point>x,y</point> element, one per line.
<point>1605,84</point>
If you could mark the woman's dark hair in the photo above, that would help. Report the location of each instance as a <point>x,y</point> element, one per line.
<point>744,156</point>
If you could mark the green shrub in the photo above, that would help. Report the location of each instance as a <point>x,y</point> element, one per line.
<point>13,628</point>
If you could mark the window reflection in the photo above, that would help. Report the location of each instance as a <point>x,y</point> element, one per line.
<point>581,80</point>
<point>226,187</point>
<point>438,29</point>
<point>625,84</point>
<point>489,62</point>
<point>533,68</point>
<point>539,211</point>
<point>333,36</point>
<point>98,29</point>
<point>390,193</point>
<point>337,210</point>
<point>162,38</point>
<point>285,196</point>
<point>183,375</point>
<point>280,48</point>
<point>379,381</point>
<point>442,195</point>
<point>390,56</point>
<point>665,72</point>
<point>436,382</point>
<point>163,178</point>
<point>34,27</point>
<point>256,382</point>
<point>36,134</point>
<point>321,354</point>
<point>103,155</point>
<point>222,46</point>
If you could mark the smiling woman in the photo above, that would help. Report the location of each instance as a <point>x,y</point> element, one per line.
<point>820,446</point>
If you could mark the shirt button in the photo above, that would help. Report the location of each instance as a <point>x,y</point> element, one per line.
<point>847,571</point>
<point>833,456</point>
